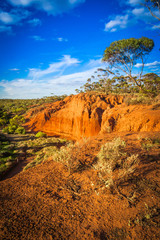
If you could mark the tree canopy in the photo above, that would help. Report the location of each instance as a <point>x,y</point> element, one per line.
<point>122,55</point>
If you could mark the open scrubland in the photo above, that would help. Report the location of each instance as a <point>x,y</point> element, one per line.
<point>87,168</point>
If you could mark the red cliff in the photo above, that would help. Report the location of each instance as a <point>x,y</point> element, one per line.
<point>85,115</point>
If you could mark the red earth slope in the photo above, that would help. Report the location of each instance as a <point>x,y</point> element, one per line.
<point>86,115</point>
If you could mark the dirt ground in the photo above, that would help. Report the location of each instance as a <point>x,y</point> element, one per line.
<point>49,202</point>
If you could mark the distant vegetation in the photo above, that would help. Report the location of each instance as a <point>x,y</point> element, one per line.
<point>11,122</point>
<point>7,155</point>
<point>119,78</point>
<point>12,111</point>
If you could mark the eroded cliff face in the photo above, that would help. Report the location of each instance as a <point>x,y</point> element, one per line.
<point>85,115</point>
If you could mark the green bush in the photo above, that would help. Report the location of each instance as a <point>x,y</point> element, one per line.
<point>20,130</point>
<point>12,128</point>
<point>2,122</point>
<point>16,121</point>
<point>40,135</point>
<point>5,130</point>
<point>7,155</point>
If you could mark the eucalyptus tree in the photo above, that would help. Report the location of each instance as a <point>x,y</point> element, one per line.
<point>122,56</point>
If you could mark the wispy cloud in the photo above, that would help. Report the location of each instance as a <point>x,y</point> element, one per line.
<point>14,69</point>
<point>51,6</point>
<point>149,65</point>
<point>28,88</point>
<point>60,39</point>
<point>41,83</point>
<point>156,27</point>
<point>131,16</point>
<point>14,17</point>
<point>95,63</point>
<point>38,38</point>
<point>53,68</point>
<point>35,22</point>
<point>134,2</point>
<point>116,23</point>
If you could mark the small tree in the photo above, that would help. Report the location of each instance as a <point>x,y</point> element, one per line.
<point>151,83</point>
<point>122,55</point>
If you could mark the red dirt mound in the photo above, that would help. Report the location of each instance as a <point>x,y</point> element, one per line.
<point>86,115</point>
<point>74,117</point>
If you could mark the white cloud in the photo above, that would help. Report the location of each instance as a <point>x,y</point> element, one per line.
<point>38,38</point>
<point>60,66</point>
<point>35,22</point>
<point>41,83</point>
<point>138,11</point>
<point>27,88</point>
<point>51,6</point>
<point>119,21</point>
<point>60,39</point>
<point>14,69</point>
<point>150,65</point>
<point>6,18</point>
<point>134,2</point>
<point>156,27</point>
<point>132,16</point>
<point>13,17</point>
<point>95,63</point>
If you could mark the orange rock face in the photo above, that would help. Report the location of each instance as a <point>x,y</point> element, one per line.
<point>85,115</point>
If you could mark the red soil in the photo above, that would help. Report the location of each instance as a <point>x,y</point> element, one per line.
<point>86,115</point>
<point>47,202</point>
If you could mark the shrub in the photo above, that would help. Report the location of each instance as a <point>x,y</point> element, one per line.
<point>40,135</point>
<point>2,122</point>
<point>138,99</point>
<point>16,121</point>
<point>20,130</point>
<point>111,157</point>
<point>12,128</point>
<point>5,130</point>
<point>149,143</point>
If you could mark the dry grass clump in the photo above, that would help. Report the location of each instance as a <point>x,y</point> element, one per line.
<point>129,166</point>
<point>149,143</point>
<point>42,156</point>
<point>69,156</point>
<point>112,157</point>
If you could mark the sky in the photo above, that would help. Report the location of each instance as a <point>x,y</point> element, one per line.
<point>51,47</point>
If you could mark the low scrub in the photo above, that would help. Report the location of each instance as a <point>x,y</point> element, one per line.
<point>149,143</point>
<point>42,156</point>
<point>138,99</point>
<point>7,155</point>
<point>66,154</point>
<point>40,135</point>
<point>113,158</point>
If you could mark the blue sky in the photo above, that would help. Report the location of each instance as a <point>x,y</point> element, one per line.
<point>54,46</point>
